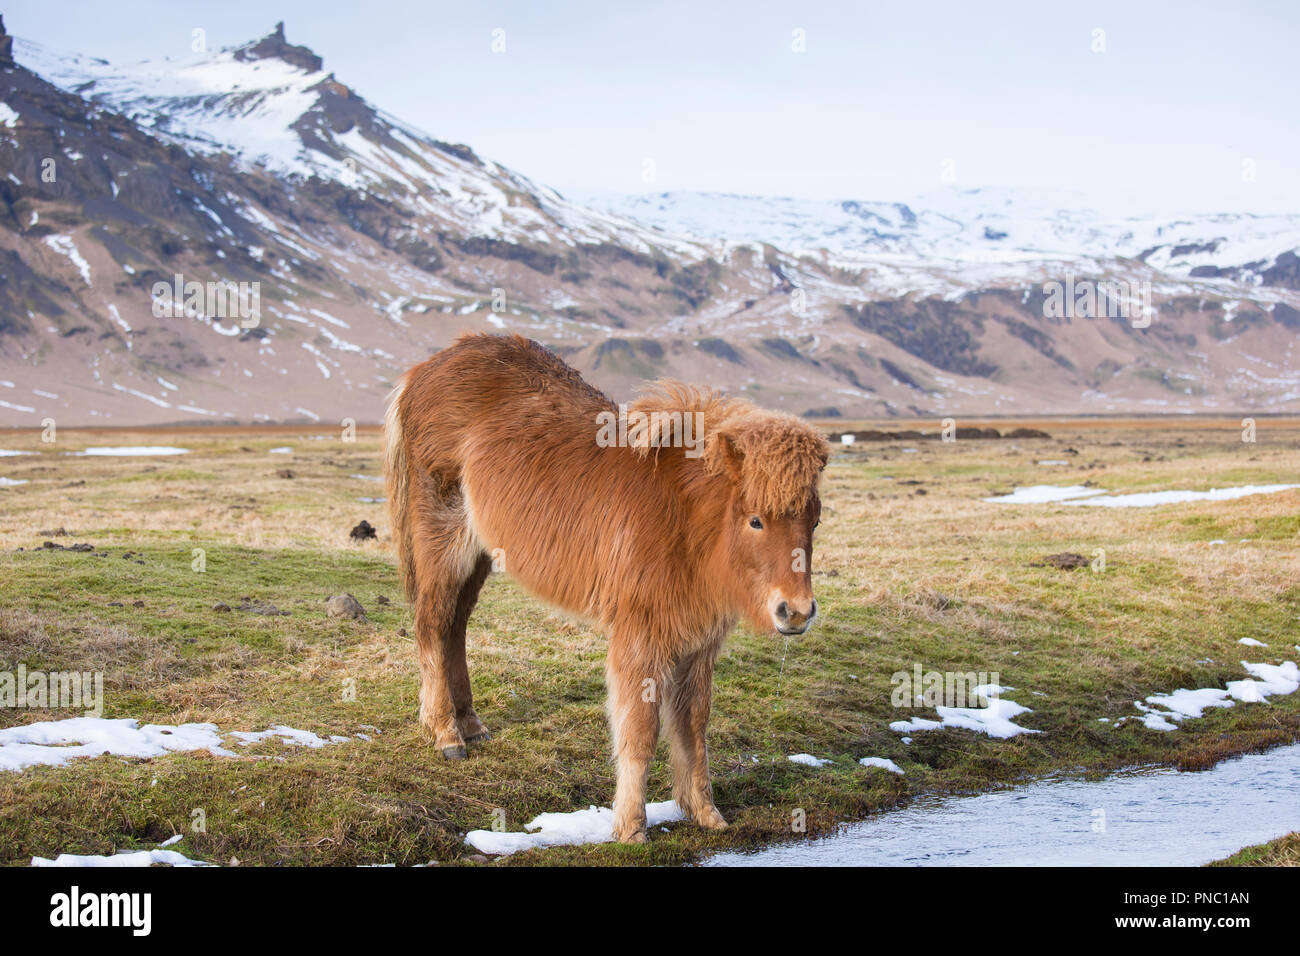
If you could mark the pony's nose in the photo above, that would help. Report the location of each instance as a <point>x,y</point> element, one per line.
<point>791,620</point>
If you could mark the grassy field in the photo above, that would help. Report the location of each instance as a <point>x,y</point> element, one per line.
<point>911,568</point>
<point>1284,851</point>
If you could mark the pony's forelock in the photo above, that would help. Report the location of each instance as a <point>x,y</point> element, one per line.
<point>775,459</point>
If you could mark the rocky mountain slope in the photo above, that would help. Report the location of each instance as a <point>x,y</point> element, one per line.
<point>371,244</point>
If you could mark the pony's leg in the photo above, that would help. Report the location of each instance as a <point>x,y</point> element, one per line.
<point>443,560</point>
<point>467,721</point>
<point>688,700</point>
<point>634,690</point>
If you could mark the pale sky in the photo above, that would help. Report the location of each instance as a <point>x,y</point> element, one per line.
<point>1012,93</point>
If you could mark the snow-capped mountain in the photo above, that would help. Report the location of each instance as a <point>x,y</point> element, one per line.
<point>272,106</point>
<point>370,243</point>
<point>984,227</point>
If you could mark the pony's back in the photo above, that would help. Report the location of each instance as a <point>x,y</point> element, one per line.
<point>502,430</point>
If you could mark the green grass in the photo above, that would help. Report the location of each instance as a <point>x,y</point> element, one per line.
<point>942,579</point>
<point>1284,851</point>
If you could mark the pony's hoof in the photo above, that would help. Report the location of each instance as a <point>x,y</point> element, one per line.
<point>454,753</point>
<point>711,819</point>
<point>478,738</point>
<point>630,833</point>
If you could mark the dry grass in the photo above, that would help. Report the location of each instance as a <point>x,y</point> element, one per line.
<point>940,578</point>
<point>1284,851</point>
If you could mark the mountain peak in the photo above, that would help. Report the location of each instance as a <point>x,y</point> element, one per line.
<point>275,46</point>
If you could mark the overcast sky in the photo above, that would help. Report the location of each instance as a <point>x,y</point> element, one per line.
<point>1011,93</point>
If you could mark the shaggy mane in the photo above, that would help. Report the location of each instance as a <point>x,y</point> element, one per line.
<point>775,459</point>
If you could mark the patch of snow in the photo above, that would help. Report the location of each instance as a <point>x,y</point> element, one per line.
<point>55,742</point>
<point>996,719</point>
<point>808,760</point>
<point>1150,499</point>
<point>1043,494</point>
<point>129,451</point>
<point>593,825</point>
<point>882,763</point>
<point>125,858</point>
<point>64,246</point>
<point>288,735</point>
<point>1080,495</point>
<point>1266,680</point>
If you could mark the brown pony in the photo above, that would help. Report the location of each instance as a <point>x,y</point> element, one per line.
<point>662,534</point>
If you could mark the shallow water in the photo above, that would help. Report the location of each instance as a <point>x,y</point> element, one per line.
<point>1140,818</point>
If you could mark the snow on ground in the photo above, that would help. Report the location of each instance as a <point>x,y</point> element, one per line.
<point>130,451</point>
<point>882,763</point>
<point>808,760</point>
<point>996,719</point>
<point>300,738</point>
<point>1251,642</point>
<point>156,857</point>
<point>1163,711</point>
<point>1097,497</point>
<point>64,246</point>
<point>1043,494</point>
<point>55,742</point>
<point>593,825</point>
<point>125,858</point>
<point>1149,499</point>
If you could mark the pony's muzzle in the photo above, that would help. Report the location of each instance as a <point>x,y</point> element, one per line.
<point>789,618</point>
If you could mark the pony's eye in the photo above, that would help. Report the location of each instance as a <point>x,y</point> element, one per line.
<point>755,523</point>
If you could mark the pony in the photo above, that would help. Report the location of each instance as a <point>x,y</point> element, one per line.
<point>661,523</point>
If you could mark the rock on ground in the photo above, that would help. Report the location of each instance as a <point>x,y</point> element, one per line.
<point>345,605</point>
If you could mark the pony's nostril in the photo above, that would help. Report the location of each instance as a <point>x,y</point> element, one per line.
<point>783,611</point>
<point>813,613</point>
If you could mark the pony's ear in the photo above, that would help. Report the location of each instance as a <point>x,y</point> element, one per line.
<point>823,453</point>
<point>723,455</point>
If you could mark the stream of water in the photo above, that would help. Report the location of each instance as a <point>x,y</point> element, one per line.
<point>1156,817</point>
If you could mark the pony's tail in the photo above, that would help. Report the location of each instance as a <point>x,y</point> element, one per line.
<point>398,480</point>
